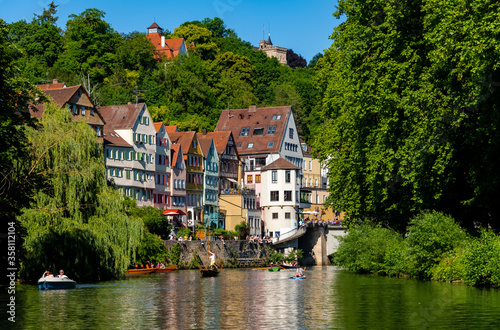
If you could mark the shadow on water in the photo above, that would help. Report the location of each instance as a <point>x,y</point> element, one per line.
<point>244,299</point>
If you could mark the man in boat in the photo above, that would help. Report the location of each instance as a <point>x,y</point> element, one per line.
<point>299,272</point>
<point>61,274</point>
<point>212,260</point>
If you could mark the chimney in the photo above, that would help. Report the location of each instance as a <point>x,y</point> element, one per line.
<point>204,131</point>
<point>162,41</point>
<point>55,81</point>
<point>252,108</point>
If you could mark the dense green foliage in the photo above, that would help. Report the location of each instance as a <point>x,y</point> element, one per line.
<point>151,249</point>
<point>75,220</point>
<point>410,105</point>
<point>435,247</point>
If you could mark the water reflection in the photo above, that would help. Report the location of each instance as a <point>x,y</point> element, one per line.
<point>245,299</point>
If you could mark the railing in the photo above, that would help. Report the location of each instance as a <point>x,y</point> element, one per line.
<point>289,235</point>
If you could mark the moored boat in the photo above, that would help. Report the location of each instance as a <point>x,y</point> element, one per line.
<point>140,271</point>
<point>209,272</point>
<point>55,283</point>
<point>164,270</point>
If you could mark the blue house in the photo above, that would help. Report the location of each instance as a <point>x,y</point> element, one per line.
<point>211,212</point>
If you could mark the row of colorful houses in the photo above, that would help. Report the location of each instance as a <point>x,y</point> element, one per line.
<point>253,168</point>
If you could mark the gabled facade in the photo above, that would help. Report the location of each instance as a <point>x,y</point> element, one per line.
<point>130,150</point>
<point>178,177</point>
<point>193,159</point>
<point>262,135</point>
<point>76,100</point>
<point>210,182</point>
<point>229,160</point>
<point>161,193</point>
<point>165,48</point>
<point>280,197</point>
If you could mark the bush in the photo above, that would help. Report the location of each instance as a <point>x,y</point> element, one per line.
<point>366,249</point>
<point>184,232</point>
<point>151,249</point>
<point>481,260</point>
<point>430,236</point>
<point>174,254</point>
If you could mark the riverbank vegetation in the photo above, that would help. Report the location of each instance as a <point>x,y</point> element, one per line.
<point>433,247</point>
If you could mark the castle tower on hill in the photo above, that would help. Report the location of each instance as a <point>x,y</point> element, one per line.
<point>273,51</point>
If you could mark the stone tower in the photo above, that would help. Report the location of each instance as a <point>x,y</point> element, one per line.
<point>273,51</point>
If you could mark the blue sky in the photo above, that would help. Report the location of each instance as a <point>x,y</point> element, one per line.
<point>302,26</point>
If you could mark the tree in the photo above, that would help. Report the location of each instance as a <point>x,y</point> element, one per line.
<point>200,37</point>
<point>315,60</point>
<point>90,44</point>
<point>75,221</point>
<point>404,101</point>
<point>16,183</point>
<point>294,60</point>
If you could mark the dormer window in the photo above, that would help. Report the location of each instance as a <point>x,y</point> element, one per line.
<point>244,131</point>
<point>271,129</point>
<point>250,146</point>
<point>276,117</point>
<point>258,131</point>
<point>270,144</point>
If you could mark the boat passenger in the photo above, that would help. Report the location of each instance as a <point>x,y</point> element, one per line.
<point>47,274</point>
<point>61,274</point>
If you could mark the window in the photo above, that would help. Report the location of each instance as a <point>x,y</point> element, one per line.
<point>276,117</point>
<point>127,174</point>
<point>83,111</point>
<point>316,182</point>
<point>275,216</point>
<point>250,146</point>
<point>239,145</point>
<point>271,129</point>
<point>257,178</point>
<point>270,144</point>
<point>287,176</point>
<point>274,176</point>
<point>249,178</point>
<point>288,196</point>
<point>194,144</point>
<point>287,215</point>
<point>291,133</point>
<point>74,109</point>
<point>258,131</point>
<point>275,196</point>
<point>244,131</point>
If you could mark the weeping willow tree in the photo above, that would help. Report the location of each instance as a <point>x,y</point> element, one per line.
<point>76,221</point>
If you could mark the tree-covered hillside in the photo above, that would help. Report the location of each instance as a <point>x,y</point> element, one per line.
<point>220,71</point>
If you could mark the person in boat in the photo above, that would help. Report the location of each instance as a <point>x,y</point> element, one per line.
<point>212,260</point>
<point>61,274</point>
<point>299,272</point>
<point>47,274</point>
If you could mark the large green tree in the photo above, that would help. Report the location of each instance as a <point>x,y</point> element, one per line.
<point>410,103</point>
<point>75,221</point>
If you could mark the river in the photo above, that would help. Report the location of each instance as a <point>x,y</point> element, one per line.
<point>259,299</point>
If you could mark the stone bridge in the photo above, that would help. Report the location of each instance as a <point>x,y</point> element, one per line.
<point>317,242</point>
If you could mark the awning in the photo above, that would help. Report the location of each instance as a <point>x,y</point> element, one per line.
<point>232,180</point>
<point>174,212</point>
<point>309,212</point>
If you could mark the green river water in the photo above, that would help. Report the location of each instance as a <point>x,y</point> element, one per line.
<point>244,299</point>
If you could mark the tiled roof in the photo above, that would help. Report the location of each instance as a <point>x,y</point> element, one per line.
<point>205,142</point>
<point>121,116</point>
<point>54,85</point>
<point>184,139</point>
<point>307,151</point>
<point>280,164</point>
<point>171,129</point>
<point>235,120</point>
<point>158,126</point>
<point>113,139</point>
<point>154,26</point>
<point>174,152</point>
<point>220,140</point>
<point>171,48</point>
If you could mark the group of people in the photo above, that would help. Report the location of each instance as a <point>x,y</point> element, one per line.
<point>49,274</point>
<point>152,265</point>
<point>258,239</point>
<point>173,237</point>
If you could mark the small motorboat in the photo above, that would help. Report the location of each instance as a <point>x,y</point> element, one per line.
<point>55,283</point>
